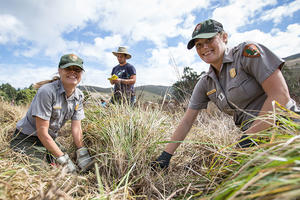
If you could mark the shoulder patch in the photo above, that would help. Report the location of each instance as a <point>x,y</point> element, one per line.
<point>251,50</point>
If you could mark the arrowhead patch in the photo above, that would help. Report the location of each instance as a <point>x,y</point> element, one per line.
<point>251,50</point>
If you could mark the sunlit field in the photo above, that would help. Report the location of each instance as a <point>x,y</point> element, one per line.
<point>124,140</point>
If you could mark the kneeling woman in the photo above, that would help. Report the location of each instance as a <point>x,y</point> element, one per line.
<point>56,101</point>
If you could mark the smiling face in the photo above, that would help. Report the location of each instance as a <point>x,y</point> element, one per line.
<point>70,76</point>
<point>211,50</point>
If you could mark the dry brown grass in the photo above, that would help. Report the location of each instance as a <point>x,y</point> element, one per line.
<point>124,141</point>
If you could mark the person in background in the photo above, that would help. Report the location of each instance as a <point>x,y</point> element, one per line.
<point>124,84</point>
<point>57,101</point>
<point>242,81</point>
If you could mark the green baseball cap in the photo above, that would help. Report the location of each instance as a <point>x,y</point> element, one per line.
<point>206,29</point>
<point>70,60</point>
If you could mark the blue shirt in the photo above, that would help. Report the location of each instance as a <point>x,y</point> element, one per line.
<point>124,72</point>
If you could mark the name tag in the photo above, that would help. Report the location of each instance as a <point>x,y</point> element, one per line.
<point>211,92</point>
<point>56,107</point>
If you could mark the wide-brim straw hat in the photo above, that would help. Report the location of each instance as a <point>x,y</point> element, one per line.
<point>122,50</point>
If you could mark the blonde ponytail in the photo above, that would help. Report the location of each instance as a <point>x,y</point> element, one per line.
<point>39,84</point>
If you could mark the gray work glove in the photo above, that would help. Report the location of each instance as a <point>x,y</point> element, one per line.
<point>65,160</point>
<point>84,160</point>
<point>162,161</point>
<point>291,105</point>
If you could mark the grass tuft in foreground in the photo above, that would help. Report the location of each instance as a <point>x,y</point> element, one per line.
<point>124,140</point>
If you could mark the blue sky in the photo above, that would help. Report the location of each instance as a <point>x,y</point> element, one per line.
<point>35,34</point>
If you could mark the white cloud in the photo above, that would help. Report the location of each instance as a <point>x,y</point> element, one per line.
<point>94,28</point>
<point>44,22</point>
<point>147,20</point>
<point>25,75</point>
<point>283,43</point>
<point>277,14</point>
<point>96,77</point>
<point>240,13</point>
<point>165,66</point>
<point>11,29</point>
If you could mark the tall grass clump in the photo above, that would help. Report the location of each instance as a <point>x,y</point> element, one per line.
<point>124,140</point>
<point>270,170</point>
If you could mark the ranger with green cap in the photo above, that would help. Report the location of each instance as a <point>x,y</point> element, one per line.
<point>57,101</point>
<point>241,81</point>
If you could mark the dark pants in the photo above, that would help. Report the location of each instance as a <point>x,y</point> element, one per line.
<point>31,146</point>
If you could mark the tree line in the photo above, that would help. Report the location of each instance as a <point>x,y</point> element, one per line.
<point>16,96</point>
<point>181,90</point>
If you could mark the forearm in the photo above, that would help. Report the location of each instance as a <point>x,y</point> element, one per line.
<point>77,135</point>
<point>259,125</point>
<point>127,81</point>
<point>48,142</point>
<point>182,130</point>
<point>276,89</point>
<point>179,135</point>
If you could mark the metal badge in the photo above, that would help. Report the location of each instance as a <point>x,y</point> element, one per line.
<point>232,72</point>
<point>221,96</point>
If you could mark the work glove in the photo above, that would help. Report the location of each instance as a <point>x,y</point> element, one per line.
<point>65,160</point>
<point>84,160</point>
<point>292,106</point>
<point>162,161</point>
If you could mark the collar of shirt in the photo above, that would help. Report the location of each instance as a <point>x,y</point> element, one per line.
<point>61,90</point>
<point>228,58</point>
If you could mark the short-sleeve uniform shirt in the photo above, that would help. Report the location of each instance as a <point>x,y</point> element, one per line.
<point>238,87</point>
<point>51,104</point>
<point>124,72</point>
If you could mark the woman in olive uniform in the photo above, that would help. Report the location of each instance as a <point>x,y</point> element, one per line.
<point>245,78</point>
<point>56,101</point>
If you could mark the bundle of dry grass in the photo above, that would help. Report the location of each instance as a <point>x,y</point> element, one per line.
<point>124,140</point>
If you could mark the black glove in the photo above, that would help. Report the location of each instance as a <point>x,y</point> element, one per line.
<point>162,161</point>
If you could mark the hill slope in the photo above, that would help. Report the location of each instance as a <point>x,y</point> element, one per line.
<point>146,92</point>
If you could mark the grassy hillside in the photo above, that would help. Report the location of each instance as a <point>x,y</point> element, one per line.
<point>291,73</point>
<point>124,141</point>
<point>152,93</point>
<point>292,57</point>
